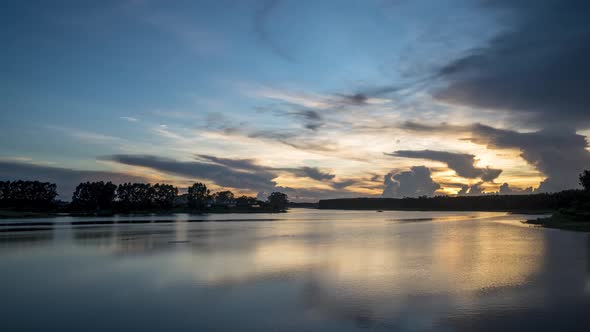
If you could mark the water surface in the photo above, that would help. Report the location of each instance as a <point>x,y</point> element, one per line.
<point>306,270</point>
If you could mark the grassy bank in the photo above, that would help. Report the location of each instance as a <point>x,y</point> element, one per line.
<point>568,219</point>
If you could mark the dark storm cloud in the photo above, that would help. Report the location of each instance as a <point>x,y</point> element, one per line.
<point>463,164</point>
<point>413,183</point>
<point>65,178</point>
<point>560,154</point>
<point>538,68</point>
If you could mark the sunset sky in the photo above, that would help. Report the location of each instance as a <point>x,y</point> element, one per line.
<point>317,99</point>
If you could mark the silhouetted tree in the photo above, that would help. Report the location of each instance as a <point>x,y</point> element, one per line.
<point>278,201</point>
<point>94,196</point>
<point>27,194</point>
<point>224,197</point>
<point>164,195</point>
<point>246,201</point>
<point>135,196</point>
<point>585,180</point>
<point>198,195</point>
<point>4,191</point>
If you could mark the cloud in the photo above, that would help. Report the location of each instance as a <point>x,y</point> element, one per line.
<point>559,154</point>
<point>221,173</point>
<point>506,189</point>
<point>225,172</point>
<point>310,118</point>
<point>344,183</point>
<point>361,99</point>
<point>537,68</point>
<point>463,164</point>
<point>65,178</point>
<point>87,136</point>
<point>473,190</point>
<point>442,128</point>
<point>240,164</point>
<point>128,118</point>
<point>415,182</point>
<point>312,173</point>
<point>288,96</point>
<point>295,140</point>
<point>261,21</point>
<point>243,174</point>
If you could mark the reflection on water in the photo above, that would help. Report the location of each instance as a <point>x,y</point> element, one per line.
<point>304,270</point>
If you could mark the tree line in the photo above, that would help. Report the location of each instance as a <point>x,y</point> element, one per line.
<point>532,202</point>
<point>27,194</point>
<point>103,196</point>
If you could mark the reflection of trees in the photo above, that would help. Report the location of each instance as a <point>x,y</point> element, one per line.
<point>26,237</point>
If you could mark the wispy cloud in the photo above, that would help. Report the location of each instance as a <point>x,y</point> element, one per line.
<point>129,118</point>
<point>88,136</point>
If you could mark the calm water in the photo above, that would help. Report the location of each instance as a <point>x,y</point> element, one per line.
<point>307,270</point>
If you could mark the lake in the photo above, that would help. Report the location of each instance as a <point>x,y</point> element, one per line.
<point>306,270</point>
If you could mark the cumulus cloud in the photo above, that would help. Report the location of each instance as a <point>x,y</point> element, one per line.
<point>559,154</point>
<point>415,182</point>
<point>506,189</point>
<point>463,164</point>
<point>537,68</point>
<point>65,178</point>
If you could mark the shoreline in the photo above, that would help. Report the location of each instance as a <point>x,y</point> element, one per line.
<point>565,220</point>
<point>11,214</point>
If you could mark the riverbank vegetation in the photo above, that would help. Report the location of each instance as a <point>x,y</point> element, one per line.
<point>38,199</point>
<point>534,203</point>
<point>576,216</point>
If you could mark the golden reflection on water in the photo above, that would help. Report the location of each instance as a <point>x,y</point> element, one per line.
<point>392,270</point>
<point>380,258</point>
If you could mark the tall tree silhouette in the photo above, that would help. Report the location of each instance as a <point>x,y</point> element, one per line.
<point>278,201</point>
<point>27,194</point>
<point>224,197</point>
<point>585,180</point>
<point>94,196</point>
<point>198,195</point>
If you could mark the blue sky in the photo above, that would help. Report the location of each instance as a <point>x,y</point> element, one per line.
<point>272,82</point>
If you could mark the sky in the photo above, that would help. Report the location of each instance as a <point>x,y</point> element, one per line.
<point>317,99</point>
